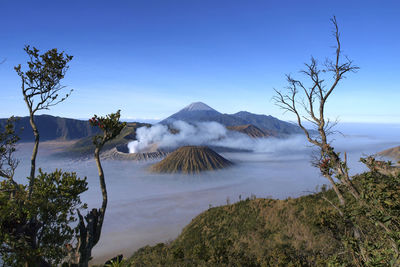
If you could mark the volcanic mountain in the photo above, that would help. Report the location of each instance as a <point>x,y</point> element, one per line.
<point>250,130</point>
<point>268,123</point>
<point>190,160</point>
<point>199,111</point>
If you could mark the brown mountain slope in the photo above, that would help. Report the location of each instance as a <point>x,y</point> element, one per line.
<point>393,152</point>
<point>250,130</point>
<point>191,159</point>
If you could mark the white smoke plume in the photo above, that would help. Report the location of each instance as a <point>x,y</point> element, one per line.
<point>208,133</point>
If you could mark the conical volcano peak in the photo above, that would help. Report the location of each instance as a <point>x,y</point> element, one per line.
<point>191,160</point>
<point>196,106</point>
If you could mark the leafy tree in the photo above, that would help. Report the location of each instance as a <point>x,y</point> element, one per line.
<point>34,230</point>
<point>8,140</point>
<point>36,220</point>
<point>90,226</point>
<point>41,86</point>
<point>364,213</point>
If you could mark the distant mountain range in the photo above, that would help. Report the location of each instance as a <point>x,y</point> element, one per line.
<point>51,128</point>
<point>199,111</point>
<point>58,128</point>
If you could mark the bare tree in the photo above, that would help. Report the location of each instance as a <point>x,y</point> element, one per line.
<point>316,96</point>
<point>308,102</point>
<point>41,86</point>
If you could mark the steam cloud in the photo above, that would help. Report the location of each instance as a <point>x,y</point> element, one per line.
<point>210,134</point>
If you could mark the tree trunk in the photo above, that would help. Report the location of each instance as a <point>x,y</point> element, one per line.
<point>34,154</point>
<point>102,180</point>
<point>336,189</point>
<point>90,232</point>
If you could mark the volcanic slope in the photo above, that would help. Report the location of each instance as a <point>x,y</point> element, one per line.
<point>250,130</point>
<point>393,152</point>
<point>269,123</point>
<point>199,111</point>
<point>191,160</point>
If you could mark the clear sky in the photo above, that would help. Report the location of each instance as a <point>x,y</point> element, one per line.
<point>151,58</point>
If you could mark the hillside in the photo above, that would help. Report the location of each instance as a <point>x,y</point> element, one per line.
<point>199,111</point>
<point>85,147</point>
<point>268,123</point>
<point>303,231</point>
<point>250,130</point>
<point>393,152</point>
<point>52,128</point>
<point>257,232</point>
<point>190,160</point>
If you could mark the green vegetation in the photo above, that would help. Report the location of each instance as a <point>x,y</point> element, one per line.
<point>36,219</point>
<point>89,227</point>
<point>258,232</point>
<point>305,231</point>
<point>35,230</point>
<point>41,223</point>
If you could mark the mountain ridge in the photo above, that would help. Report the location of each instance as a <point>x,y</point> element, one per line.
<point>251,130</point>
<point>51,128</point>
<point>198,111</point>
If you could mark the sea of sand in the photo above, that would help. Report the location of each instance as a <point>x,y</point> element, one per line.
<point>146,208</point>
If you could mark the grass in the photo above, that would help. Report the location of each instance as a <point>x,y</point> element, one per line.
<point>258,232</point>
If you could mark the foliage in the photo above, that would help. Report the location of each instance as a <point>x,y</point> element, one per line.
<point>110,125</point>
<point>39,228</point>
<point>40,86</point>
<point>8,140</point>
<point>36,220</point>
<point>260,232</point>
<point>306,231</point>
<point>377,214</point>
<point>90,226</point>
<point>115,263</point>
<point>41,82</point>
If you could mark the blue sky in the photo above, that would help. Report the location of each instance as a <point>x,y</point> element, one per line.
<point>151,58</point>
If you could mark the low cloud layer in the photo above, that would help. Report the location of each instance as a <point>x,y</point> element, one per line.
<point>210,134</point>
